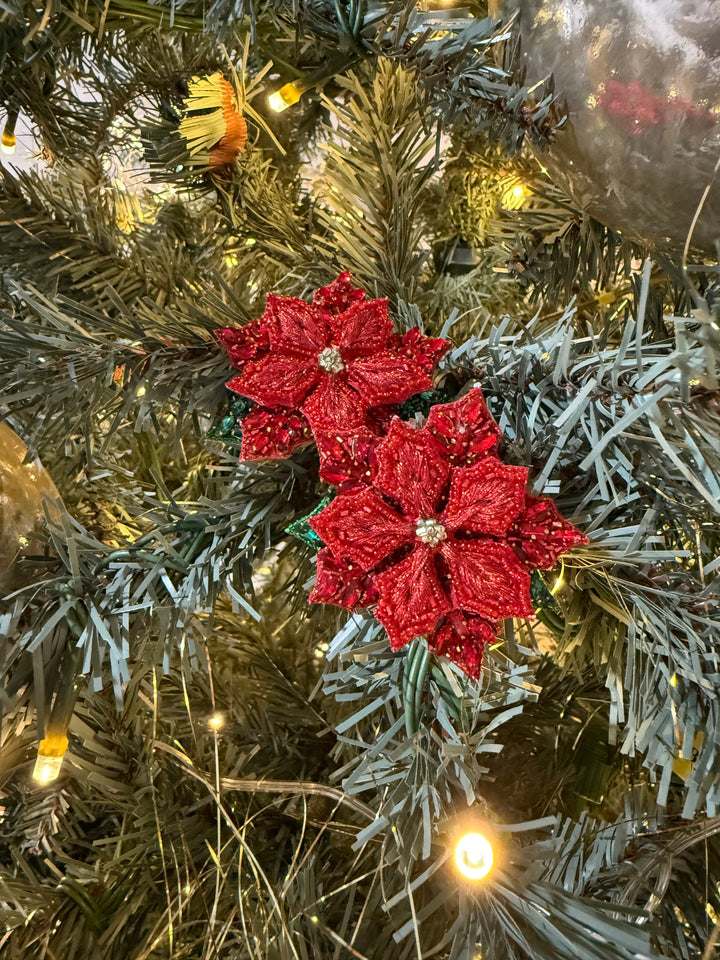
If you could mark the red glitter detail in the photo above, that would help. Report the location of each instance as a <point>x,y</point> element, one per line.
<point>279,359</point>
<point>345,455</point>
<point>410,470</point>
<point>465,428</point>
<point>273,434</point>
<point>339,296</point>
<point>444,531</point>
<point>362,527</point>
<point>342,583</point>
<point>487,578</point>
<point>427,351</point>
<point>486,497</point>
<point>412,599</point>
<point>463,638</point>
<point>244,343</point>
<point>541,534</point>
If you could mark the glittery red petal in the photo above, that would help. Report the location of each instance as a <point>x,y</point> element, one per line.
<point>362,527</point>
<point>380,418</point>
<point>409,470</point>
<point>276,381</point>
<point>411,597</point>
<point>273,434</point>
<point>333,405</point>
<point>487,578</point>
<point>339,296</point>
<point>386,378</point>
<point>463,638</point>
<point>464,428</point>
<point>345,455</point>
<point>244,343</point>
<point>540,534</point>
<point>426,351</point>
<point>341,582</point>
<point>362,329</point>
<point>299,329</point>
<point>486,497</point>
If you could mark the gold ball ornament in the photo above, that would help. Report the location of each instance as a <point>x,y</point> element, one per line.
<point>22,488</point>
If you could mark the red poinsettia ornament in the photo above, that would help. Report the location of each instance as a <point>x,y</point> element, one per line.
<point>444,535</point>
<point>332,367</point>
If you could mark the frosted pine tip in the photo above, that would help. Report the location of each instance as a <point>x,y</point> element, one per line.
<point>331,360</point>
<point>430,532</point>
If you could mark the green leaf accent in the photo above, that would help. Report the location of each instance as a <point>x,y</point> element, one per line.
<point>229,429</point>
<point>301,528</point>
<point>422,402</point>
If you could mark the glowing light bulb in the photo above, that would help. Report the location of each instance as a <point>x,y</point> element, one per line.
<point>514,197</point>
<point>474,856</point>
<point>216,721</point>
<point>284,97</point>
<point>51,752</point>
<point>8,142</point>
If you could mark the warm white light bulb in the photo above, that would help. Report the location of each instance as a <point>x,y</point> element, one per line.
<point>276,102</point>
<point>474,856</point>
<point>49,761</point>
<point>284,97</point>
<point>216,721</point>
<point>47,772</point>
<point>7,143</point>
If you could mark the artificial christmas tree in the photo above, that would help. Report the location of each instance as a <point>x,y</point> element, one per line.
<point>406,645</point>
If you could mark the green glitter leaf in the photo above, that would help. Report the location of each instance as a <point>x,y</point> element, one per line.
<point>422,402</point>
<point>301,528</point>
<point>229,429</point>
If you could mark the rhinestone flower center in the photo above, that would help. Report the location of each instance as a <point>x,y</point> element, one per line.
<point>331,360</point>
<point>430,532</point>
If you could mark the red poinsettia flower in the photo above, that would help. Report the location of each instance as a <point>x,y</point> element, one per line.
<point>335,364</point>
<point>444,532</point>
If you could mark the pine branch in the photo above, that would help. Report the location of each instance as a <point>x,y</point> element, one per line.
<point>373,223</point>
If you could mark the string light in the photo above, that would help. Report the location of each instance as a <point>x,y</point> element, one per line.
<point>8,139</point>
<point>51,752</point>
<point>474,856</point>
<point>285,97</point>
<point>216,721</point>
<point>559,582</point>
<point>514,196</point>
<point>290,93</point>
